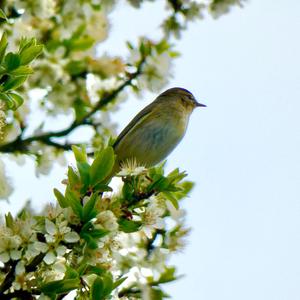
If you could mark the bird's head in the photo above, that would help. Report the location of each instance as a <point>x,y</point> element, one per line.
<point>183,97</point>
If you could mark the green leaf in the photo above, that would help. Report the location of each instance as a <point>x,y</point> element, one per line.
<point>119,282</point>
<point>84,171</point>
<point>11,61</point>
<point>108,284</point>
<point>170,196</point>
<point>76,67</point>
<point>91,242</point>
<point>3,46</point>
<point>82,269</point>
<point>52,45</point>
<point>129,226</point>
<point>8,100</point>
<point>97,289</point>
<point>29,54</point>
<point>186,187</point>
<point>9,220</point>
<point>81,44</point>
<point>71,273</point>
<point>102,286</point>
<point>159,184</point>
<point>98,233</point>
<point>102,165</point>
<point>2,15</point>
<point>73,178</point>
<point>81,108</point>
<point>82,165</point>
<point>157,294</point>
<point>80,154</point>
<point>127,191</point>
<point>129,45</point>
<point>21,71</point>
<point>162,46</point>
<point>61,199</point>
<point>2,70</point>
<point>168,275</point>
<point>18,100</point>
<point>88,209</point>
<point>95,270</point>
<point>91,235</point>
<point>175,176</point>
<point>13,83</point>
<point>12,100</point>
<point>26,43</point>
<point>60,286</point>
<point>74,203</point>
<point>100,187</point>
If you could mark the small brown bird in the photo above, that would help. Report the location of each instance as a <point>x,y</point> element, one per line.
<point>156,130</point>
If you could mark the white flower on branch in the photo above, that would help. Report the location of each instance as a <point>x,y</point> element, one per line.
<point>152,217</point>
<point>9,245</point>
<point>156,72</point>
<point>46,158</point>
<point>41,8</point>
<point>131,168</point>
<point>96,23</point>
<point>106,66</point>
<point>56,233</point>
<point>106,220</point>
<point>21,28</point>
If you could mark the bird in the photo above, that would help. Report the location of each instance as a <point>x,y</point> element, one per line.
<point>156,130</point>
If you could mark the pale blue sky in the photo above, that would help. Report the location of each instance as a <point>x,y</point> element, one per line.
<point>243,153</point>
<point>242,150</point>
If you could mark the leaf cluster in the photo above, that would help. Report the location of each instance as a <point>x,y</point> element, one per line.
<point>15,69</point>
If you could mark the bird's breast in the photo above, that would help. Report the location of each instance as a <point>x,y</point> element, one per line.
<point>154,139</point>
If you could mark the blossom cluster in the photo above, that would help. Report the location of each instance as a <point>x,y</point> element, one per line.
<point>72,79</point>
<point>120,240</point>
<point>96,242</point>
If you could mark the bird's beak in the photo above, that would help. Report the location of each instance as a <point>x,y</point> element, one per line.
<point>200,104</point>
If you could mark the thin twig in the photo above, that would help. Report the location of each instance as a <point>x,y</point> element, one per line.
<point>20,144</point>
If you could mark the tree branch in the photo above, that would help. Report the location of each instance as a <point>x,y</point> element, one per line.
<point>10,276</point>
<point>20,144</point>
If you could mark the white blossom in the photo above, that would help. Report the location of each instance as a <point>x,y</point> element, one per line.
<point>21,28</point>
<point>152,217</point>
<point>34,249</point>
<point>20,272</point>
<point>40,8</point>
<point>9,245</point>
<point>47,157</point>
<point>97,25</point>
<point>61,96</point>
<point>48,73</point>
<point>156,72</point>
<point>130,167</point>
<point>106,66</point>
<point>106,220</point>
<point>57,232</point>
<point>176,214</point>
<point>60,232</point>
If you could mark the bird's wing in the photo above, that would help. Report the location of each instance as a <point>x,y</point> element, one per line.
<point>143,113</point>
